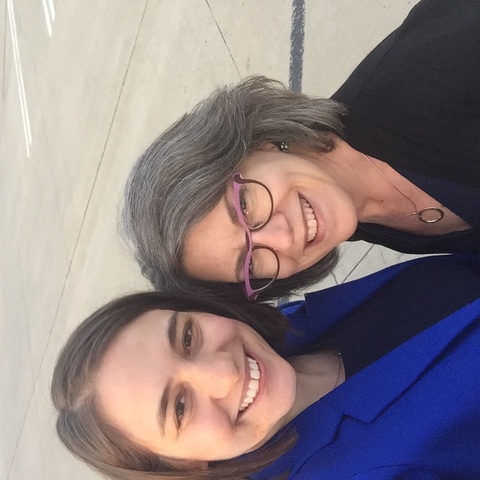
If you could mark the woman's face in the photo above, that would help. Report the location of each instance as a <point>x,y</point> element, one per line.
<point>215,247</point>
<point>194,386</point>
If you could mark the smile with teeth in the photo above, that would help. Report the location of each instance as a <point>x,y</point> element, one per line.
<point>312,224</point>
<point>252,384</point>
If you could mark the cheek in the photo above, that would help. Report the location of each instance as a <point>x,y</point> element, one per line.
<point>284,192</point>
<point>289,266</point>
<point>283,390</point>
<point>211,440</point>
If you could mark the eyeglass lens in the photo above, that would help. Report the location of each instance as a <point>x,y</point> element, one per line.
<point>263,268</point>
<point>255,204</point>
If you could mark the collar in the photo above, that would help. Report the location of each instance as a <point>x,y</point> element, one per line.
<point>322,309</point>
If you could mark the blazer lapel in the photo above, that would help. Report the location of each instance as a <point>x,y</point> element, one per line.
<point>323,309</point>
<point>368,393</point>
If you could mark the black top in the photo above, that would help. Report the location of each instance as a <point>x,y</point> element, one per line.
<point>462,200</point>
<point>414,103</point>
<point>414,300</point>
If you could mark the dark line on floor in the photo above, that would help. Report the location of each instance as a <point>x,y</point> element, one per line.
<point>297,39</point>
<point>223,38</point>
<point>94,183</point>
<point>356,266</point>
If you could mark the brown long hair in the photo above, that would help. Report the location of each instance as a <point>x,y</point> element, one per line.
<point>85,433</point>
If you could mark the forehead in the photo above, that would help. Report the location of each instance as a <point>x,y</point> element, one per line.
<point>149,323</point>
<point>130,376</point>
<point>262,160</point>
<point>213,245</point>
<point>133,349</point>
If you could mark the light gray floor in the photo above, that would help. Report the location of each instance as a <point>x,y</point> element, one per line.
<point>86,84</point>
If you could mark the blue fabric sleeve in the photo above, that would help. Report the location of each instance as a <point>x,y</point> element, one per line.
<point>323,309</point>
<point>402,472</point>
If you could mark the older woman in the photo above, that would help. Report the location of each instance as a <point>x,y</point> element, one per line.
<point>170,386</point>
<point>259,184</point>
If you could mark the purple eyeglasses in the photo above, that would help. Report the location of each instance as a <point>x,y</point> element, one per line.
<point>254,206</point>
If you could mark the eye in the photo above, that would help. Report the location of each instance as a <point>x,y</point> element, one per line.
<point>251,268</point>
<point>180,410</point>
<point>188,335</point>
<point>258,266</point>
<point>245,204</point>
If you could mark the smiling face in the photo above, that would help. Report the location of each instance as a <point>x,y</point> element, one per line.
<point>312,214</point>
<point>194,386</point>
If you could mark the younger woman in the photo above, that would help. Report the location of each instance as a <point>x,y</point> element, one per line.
<point>380,382</point>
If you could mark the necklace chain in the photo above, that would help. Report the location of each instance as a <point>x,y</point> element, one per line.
<point>339,356</point>
<point>418,213</point>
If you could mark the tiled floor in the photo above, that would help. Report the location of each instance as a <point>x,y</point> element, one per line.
<point>86,84</point>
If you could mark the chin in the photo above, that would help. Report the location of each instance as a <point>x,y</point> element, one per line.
<point>269,433</point>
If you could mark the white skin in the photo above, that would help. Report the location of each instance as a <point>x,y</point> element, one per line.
<point>342,189</point>
<point>288,177</point>
<point>206,367</point>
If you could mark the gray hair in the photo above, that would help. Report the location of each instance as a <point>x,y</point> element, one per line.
<point>184,173</point>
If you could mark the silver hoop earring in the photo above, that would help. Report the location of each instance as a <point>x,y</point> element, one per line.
<point>283,147</point>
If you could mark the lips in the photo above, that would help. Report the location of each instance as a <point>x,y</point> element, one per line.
<point>253,384</point>
<point>310,219</point>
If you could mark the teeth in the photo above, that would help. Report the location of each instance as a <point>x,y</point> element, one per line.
<point>312,224</point>
<point>252,384</point>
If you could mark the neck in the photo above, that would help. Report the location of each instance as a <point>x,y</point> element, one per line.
<point>383,196</point>
<point>348,168</point>
<point>317,375</point>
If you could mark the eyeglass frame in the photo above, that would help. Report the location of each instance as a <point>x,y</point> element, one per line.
<point>250,292</point>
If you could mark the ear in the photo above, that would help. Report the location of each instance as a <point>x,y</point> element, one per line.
<point>269,147</point>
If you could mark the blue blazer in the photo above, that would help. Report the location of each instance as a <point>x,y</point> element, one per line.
<point>412,414</point>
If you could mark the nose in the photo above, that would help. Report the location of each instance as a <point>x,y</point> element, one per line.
<point>215,375</point>
<point>276,233</point>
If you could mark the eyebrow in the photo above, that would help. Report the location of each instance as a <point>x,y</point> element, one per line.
<point>172,336</point>
<point>240,263</point>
